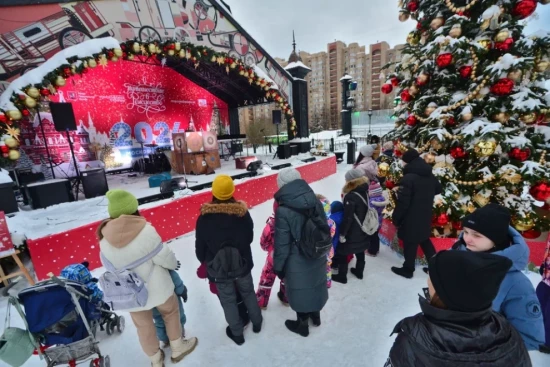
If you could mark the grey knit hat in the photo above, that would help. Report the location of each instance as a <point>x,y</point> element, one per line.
<point>367,150</point>
<point>353,174</point>
<point>287,175</point>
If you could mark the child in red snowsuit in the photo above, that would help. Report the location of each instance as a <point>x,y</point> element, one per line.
<point>267,279</point>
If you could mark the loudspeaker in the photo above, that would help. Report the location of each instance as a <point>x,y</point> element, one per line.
<point>276,116</point>
<point>94,182</point>
<point>47,193</point>
<point>283,151</point>
<point>175,184</point>
<point>254,166</point>
<point>8,204</point>
<point>63,116</point>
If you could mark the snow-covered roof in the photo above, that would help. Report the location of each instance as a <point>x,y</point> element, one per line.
<point>297,64</point>
<point>35,76</point>
<point>346,77</point>
<point>262,74</point>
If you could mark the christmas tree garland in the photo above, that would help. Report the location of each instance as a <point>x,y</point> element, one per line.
<point>29,97</point>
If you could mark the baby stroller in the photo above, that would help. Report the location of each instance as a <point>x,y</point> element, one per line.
<point>63,319</point>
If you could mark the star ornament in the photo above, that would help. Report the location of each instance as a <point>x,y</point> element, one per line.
<point>14,132</point>
<point>103,61</point>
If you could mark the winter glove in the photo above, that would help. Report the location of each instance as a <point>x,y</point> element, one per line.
<point>280,274</point>
<point>178,266</point>
<point>183,294</point>
<point>94,280</point>
<point>342,239</point>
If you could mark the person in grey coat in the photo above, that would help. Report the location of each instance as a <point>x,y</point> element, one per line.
<point>305,279</point>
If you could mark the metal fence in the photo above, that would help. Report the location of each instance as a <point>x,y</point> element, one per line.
<point>380,123</point>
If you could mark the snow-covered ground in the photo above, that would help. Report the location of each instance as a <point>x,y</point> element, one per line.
<point>357,319</point>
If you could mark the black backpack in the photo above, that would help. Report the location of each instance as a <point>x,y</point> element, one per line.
<point>315,241</point>
<point>227,265</point>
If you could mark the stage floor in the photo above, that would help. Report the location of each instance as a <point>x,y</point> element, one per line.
<point>33,224</point>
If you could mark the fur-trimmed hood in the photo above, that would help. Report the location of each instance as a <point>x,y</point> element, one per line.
<point>239,208</point>
<point>353,184</point>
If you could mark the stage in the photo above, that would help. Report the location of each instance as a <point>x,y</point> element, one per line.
<point>65,233</point>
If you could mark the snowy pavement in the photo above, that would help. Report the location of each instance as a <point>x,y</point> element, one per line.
<point>356,322</point>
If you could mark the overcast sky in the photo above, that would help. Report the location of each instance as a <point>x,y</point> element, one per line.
<point>318,22</point>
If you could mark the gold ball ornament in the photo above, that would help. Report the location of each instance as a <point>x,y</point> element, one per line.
<point>502,117</point>
<point>456,196</point>
<point>177,46</point>
<point>528,118</point>
<point>471,207</point>
<point>413,39</point>
<point>456,31</point>
<point>515,75</point>
<point>403,15</point>
<point>423,78</point>
<point>60,81</point>
<point>171,52</point>
<point>485,43</point>
<point>14,114</point>
<point>413,90</point>
<point>136,47</point>
<point>152,48</point>
<point>11,142</point>
<point>14,154</point>
<point>431,108</point>
<point>92,63</point>
<point>429,158</point>
<point>30,102</point>
<point>437,23</point>
<point>523,224</point>
<point>485,148</point>
<point>502,35</point>
<point>182,54</point>
<point>436,144</point>
<point>33,92</point>
<point>130,57</point>
<point>512,177</point>
<point>383,169</point>
<point>542,66</point>
<point>117,52</point>
<point>481,200</point>
<point>467,116</point>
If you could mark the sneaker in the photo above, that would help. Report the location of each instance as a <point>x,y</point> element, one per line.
<point>182,347</point>
<point>239,340</point>
<point>403,272</point>
<point>157,360</point>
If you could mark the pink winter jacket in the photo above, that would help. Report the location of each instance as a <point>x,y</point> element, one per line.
<point>267,240</point>
<point>369,168</point>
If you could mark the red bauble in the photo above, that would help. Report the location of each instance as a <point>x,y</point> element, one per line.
<point>387,88</point>
<point>520,154</point>
<point>442,219</point>
<point>411,120</point>
<point>394,81</point>
<point>451,121</point>
<point>458,152</point>
<point>457,225</point>
<point>504,45</point>
<point>25,112</point>
<point>503,87</point>
<point>45,92</point>
<point>531,234</point>
<point>3,118</point>
<point>419,26</point>
<point>444,60</point>
<point>465,71</point>
<point>22,97</point>
<point>412,6</point>
<point>4,149</point>
<point>541,191</point>
<point>397,153</point>
<point>524,8</point>
<point>172,47</point>
<point>422,81</point>
<point>406,96</point>
<point>389,184</point>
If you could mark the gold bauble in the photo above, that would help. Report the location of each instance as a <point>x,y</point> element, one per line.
<point>92,63</point>
<point>542,66</point>
<point>428,110</point>
<point>152,48</point>
<point>182,54</point>
<point>30,102</point>
<point>485,148</point>
<point>456,31</point>
<point>114,59</point>
<point>502,35</point>
<point>413,89</point>
<point>481,200</point>
<point>177,46</point>
<point>33,92</point>
<point>502,117</point>
<point>117,52</point>
<point>528,118</point>
<point>429,158</point>
<point>14,114</point>
<point>14,154</point>
<point>512,177</point>
<point>383,169</point>
<point>403,16</point>
<point>11,142</point>
<point>515,75</point>
<point>436,23</point>
<point>171,52</point>
<point>486,44</point>
<point>422,78</point>
<point>136,47</point>
<point>424,38</point>
<point>413,39</point>
<point>60,81</point>
<point>471,207</point>
<point>456,196</point>
<point>467,116</point>
<point>130,57</point>
<point>523,224</point>
<point>436,144</point>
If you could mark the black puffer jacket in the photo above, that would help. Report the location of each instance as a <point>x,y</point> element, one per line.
<point>414,207</point>
<point>305,279</point>
<point>219,223</point>
<point>444,338</point>
<point>356,240</point>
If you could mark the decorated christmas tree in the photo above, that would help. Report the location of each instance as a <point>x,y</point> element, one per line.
<point>474,102</point>
<point>108,158</point>
<point>215,120</point>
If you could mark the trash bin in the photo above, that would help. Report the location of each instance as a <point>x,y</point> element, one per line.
<point>8,203</point>
<point>351,151</point>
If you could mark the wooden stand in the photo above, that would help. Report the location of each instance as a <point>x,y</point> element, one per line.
<point>23,270</point>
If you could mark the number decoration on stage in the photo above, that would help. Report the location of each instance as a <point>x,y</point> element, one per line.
<point>473,100</point>
<point>21,103</point>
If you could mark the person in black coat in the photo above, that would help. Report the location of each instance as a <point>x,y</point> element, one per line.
<point>457,326</point>
<point>353,240</point>
<point>222,223</point>
<point>414,209</point>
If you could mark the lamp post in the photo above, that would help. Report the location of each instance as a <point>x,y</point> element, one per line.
<point>370,118</point>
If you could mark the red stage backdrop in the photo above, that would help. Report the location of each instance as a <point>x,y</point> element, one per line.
<point>119,105</point>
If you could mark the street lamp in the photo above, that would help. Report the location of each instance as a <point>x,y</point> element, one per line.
<point>370,118</point>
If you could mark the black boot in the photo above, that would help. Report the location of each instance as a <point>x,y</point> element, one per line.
<point>300,326</point>
<point>425,270</point>
<point>239,340</point>
<point>358,270</point>
<point>342,276</point>
<point>315,318</point>
<point>403,272</point>
<point>544,349</point>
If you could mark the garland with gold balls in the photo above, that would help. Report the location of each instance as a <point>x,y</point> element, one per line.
<point>32,94</point>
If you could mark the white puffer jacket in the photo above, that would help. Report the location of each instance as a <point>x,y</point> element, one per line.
<point>129,238</point>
